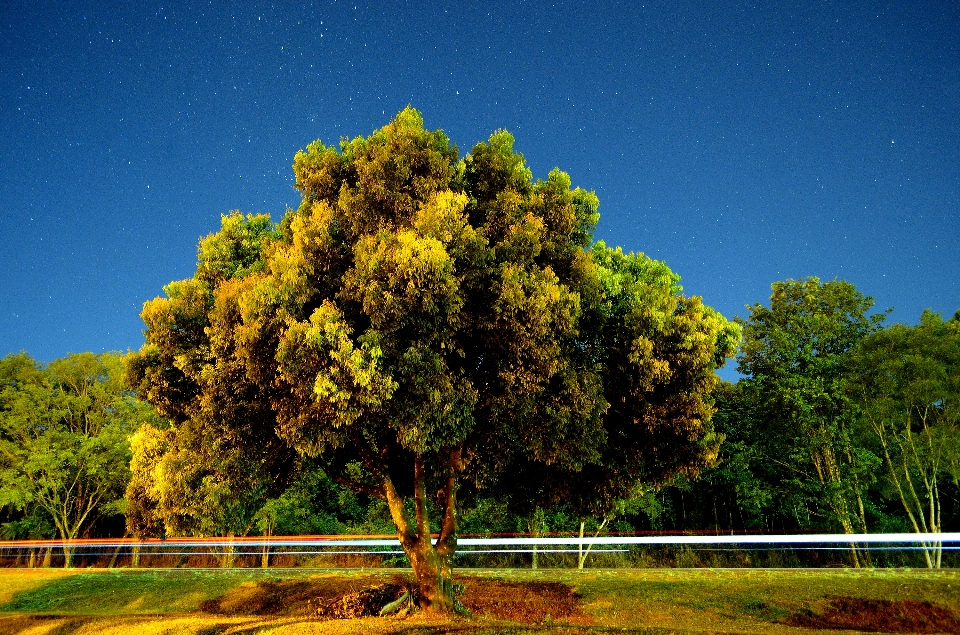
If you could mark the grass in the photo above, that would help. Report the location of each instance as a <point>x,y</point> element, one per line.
<point>51,602</point>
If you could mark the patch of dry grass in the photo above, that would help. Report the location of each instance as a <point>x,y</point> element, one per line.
<point>514,602</point>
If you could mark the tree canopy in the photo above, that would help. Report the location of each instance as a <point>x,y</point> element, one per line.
<point>795,353</point>
<point>906,380</point>
<point>424,322</point>
<point>64,452</point>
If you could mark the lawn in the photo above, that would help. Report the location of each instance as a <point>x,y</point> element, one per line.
<point>514,602</point>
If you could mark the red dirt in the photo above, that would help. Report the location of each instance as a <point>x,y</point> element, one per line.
<point>880,616</point>
<point>528,603</point>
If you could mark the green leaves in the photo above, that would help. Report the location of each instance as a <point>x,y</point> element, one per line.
<point>796,353</point>
<point>421,317</point>
<point>63,438</point>
<point>906,381</point>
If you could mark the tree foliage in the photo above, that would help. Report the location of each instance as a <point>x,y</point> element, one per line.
<point>209,473</point>
<point>907,381</point>
<point>423,321</point>
<point>795,353</point>
<point>63,439</point>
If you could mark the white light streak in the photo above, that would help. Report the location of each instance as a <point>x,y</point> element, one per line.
<point>332,542</point>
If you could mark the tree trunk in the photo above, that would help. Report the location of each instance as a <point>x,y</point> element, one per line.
<point>434,573</point>
<point>536,526</point>
<point>67,555</point>
<point>828,470</point>
<point>265,556</point>
<point>432,563</point>
<point>582,555</point>
<point>229,554</point>
<point>114,556</point>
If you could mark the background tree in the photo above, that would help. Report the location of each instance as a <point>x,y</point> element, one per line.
<point>795,353</point>
<point>422,321</point>
<point>741,492</point>
<point>906,380</point>
<point>314,504</point>
<point>220,459</point>
<point>63,439</point>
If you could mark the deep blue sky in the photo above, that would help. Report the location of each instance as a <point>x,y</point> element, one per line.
<point>740,142</point>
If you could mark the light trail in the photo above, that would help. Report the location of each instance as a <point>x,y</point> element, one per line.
<point>337,553</point>
<point>334,542</point>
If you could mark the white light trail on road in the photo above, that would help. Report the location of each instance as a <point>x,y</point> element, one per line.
<point>333,542</point>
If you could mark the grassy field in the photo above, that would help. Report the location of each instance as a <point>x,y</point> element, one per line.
<point>209,602</point>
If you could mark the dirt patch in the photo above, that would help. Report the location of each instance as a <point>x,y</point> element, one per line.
<point>525,602</point>
<point>880,616</point>
<point>363,603</point>
<point>9,625</point>
<point>288,598</point>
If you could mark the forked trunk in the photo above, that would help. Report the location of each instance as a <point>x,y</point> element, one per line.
<point>431,561</point>
<point>434,573</point>
<point>583,553</point>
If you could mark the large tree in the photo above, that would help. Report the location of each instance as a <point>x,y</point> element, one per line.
<point>63,438</point>
<point>425,321</point>
<point>795,354</point>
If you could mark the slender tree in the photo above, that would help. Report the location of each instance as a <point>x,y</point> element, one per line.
<point>907,381</point>
<point>63,439</point>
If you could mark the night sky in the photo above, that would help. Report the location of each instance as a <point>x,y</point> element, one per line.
<point>740,142</point>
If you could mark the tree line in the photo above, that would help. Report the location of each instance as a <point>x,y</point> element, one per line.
<point>434,344</point>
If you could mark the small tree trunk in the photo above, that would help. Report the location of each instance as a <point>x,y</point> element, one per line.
<point>67,555</point>
<point>582,556</point>
<point>47,557</point>
<point>536,527</point>
<point>229,553</point>
<point>265,555</point>
<point>113,557</point>
<point>135,556</point>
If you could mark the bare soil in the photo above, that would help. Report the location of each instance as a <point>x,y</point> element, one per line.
<point>880,616</point>
<point>524,602</point>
